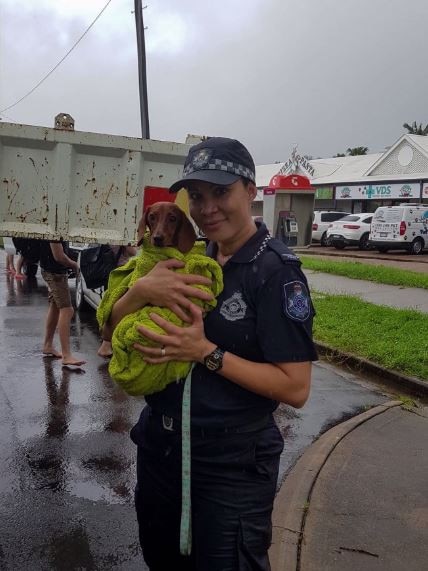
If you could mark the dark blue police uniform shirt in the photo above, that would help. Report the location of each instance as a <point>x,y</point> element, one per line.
<point>264,314</point>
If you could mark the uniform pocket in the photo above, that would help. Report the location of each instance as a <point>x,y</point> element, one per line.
<point>254,542</point>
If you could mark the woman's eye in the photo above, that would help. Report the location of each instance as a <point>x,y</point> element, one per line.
<point>194,196</point>
<point>172,219</point>
<point>221,190</point>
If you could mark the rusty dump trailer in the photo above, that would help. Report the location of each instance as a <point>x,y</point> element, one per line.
<point>78,186</point>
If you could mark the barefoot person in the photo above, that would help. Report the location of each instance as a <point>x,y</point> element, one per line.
<point>10,252</point>
<point>54,263</point>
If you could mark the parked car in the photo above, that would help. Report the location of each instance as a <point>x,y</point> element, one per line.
<point>84,297</point>
<point>403,227</point>
<point>96,262</point>
<point>320,223</point>
<point>352,230</point>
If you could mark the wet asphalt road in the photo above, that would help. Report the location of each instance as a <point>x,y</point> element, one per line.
<point>66,461</point>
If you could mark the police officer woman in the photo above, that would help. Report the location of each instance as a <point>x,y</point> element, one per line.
<point>251,352</point>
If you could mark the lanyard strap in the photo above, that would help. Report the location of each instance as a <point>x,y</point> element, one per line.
<point>186,501</point>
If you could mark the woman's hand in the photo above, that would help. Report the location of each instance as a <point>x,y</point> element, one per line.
<point>161,287</point>
<point>165,288</point>
<point>186,343</point>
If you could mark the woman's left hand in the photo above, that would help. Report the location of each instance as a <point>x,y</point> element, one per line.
<point>186,343</point>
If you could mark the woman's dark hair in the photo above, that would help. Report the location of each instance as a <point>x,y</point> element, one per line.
<point>246,181</point>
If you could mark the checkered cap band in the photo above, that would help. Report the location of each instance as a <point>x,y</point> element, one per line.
<point>222,165</point>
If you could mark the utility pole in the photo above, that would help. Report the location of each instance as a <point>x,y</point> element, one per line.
<point>142,74</point>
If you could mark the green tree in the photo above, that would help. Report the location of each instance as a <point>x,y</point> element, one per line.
<point>354,151</point>
<point>415,129</point>
<point>340,155</point>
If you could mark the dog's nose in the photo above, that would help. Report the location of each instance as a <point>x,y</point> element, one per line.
<point>158,240</point>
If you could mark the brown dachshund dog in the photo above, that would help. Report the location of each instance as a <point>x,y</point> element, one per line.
<point>168,225</point>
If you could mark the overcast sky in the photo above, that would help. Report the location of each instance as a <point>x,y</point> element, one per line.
<point>323,74</point>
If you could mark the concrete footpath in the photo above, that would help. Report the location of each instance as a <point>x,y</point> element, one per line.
<point>357,499</point>
<point>381,294</point>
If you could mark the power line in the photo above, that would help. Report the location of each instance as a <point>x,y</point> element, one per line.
<point>7,117</point>
<point>58,64</point>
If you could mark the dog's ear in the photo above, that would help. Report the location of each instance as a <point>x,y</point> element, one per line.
<point>186,235</point>
<point>142,225</point>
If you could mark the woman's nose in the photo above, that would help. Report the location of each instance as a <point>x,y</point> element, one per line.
<point>208,206</point>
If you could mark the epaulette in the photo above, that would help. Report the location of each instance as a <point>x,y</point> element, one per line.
<point>284,253</point>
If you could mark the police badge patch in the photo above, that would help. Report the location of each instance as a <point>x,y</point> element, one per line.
<point>234,308</point>
<point>297,303</point>
<point>201,159</point>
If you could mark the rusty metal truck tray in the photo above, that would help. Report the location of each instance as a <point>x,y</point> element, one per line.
<point>79,186</point>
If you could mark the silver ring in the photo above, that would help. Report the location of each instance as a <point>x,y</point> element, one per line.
<point>163,352</point>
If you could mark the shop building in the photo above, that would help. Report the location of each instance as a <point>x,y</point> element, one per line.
<point>360,183</point>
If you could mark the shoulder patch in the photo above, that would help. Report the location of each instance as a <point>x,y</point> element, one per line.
<point>297,303</point>
<point>283,252</point>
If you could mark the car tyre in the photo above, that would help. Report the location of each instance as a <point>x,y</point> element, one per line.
<point>416,247</point>
<point>324,240</point>
<point>339,245</point>
<point>364,242</point>
<point>79,298</point>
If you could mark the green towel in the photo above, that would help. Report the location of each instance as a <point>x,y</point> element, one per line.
<point>127,366</point>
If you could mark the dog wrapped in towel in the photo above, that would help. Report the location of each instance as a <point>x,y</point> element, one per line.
<point>127,366</point>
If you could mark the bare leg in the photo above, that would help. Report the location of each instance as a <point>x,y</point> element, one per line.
<point>50,328</point>
<point>65,316</point>
<point>105,349</point>
<point>19,265</point>
<point>10,267</point>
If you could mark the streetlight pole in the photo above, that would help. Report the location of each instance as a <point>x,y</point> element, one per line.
<point>142,74</point>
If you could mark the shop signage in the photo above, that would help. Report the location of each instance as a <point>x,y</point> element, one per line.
<point>296,161</point>
<point>289,183</point>
<point>324,193</point>
<point>378,191</point>
<point>268,191</point>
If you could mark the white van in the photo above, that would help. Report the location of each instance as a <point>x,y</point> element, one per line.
<point>403,227</point>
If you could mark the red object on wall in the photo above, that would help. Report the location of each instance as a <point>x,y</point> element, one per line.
<point>288,182</point>
<point>154,194</point>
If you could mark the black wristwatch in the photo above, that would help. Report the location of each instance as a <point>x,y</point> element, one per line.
<point>214,361</point>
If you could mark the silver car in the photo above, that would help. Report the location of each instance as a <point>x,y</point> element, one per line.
<point>320,223</point>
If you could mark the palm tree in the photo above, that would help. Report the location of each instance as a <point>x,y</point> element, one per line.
<point>354,151</point>
<point>415,129</point>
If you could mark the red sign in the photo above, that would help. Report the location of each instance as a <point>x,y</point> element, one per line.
<point>267,191</point>
<point>290,182</point>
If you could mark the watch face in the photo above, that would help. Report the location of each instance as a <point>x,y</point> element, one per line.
<point>212,365</point>
<point>214,361</point>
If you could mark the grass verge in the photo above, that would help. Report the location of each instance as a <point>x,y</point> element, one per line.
<point>359,271</point>
<point>393,338</point>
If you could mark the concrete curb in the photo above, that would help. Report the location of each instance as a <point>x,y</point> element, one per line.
<point>292,501</point>
<point>411,384</point>
<point>361,256</point>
